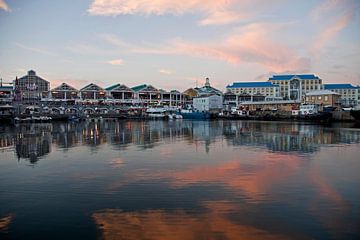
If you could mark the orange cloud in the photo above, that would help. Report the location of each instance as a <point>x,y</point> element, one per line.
<point>178,224</point>
<point>116,62</point>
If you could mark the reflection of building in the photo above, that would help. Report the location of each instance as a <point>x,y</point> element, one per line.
<point>32,88</point>
<point>323,97</point>
<point>33,142</point>
<point>295,86</point>
<point>350,95</point>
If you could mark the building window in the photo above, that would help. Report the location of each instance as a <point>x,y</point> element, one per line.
<point>326,98</point>
<point>319,97</point>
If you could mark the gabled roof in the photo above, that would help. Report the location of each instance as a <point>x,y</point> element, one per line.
<point>251,85</point>
<point>31,73</point>
<point>92,87</point>
<point>339,86</point>
<point>118,87</point>
<point>64,87</point>
<point>144,87</point>
<point>288,77</point>
<point>139,87</point>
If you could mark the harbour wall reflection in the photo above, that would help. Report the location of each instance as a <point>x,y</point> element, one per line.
<point>33,141</point>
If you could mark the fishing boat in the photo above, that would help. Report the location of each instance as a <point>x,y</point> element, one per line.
<point>311,112</point>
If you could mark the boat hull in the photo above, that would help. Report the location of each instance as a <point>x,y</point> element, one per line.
<point>196,115</point>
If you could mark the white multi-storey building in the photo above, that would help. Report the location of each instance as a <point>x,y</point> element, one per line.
<point>294,87</point>
<point>350,95</point>
<point>254,88</point>
<point>208,103</point>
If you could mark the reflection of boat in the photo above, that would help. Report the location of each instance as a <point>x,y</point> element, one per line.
<point>32,119</point>
<point>74,118</point>
<point>191,114</point>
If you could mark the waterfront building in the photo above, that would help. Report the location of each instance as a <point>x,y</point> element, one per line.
<point>120,92</point>
<point>350,95</point>
<point>254,88</point>
<point>323,97</point>
<point>92,92</point>
<point>208,103</point>
<point>64,92</point>
<point>207,89</point>
<point>171,98</point>
<point>274,105</point>
<point>6,93</point>
<point>230,100</point>
<point>146,94</point>
<point>294,87</point>
<point>31,88</point>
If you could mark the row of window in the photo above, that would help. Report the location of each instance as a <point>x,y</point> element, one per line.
<point>326,98</point>
<point>306,82</point>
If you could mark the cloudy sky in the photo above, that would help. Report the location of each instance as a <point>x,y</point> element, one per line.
<point>174,44</point>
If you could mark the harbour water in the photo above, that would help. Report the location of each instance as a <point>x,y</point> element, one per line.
<point>179,180</point>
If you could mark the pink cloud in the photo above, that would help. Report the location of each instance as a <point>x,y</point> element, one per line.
<point>340,13</point>
<point>165,71</point>
<point>215,12</point>
<point>4,6</point>
<point>249,44</point>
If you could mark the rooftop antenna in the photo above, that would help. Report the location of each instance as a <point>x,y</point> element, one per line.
<point>196,83</point>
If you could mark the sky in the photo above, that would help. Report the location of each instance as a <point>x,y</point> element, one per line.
<point>177,44</point>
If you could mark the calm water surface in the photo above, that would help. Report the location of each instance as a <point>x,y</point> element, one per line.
<point>179,180</point>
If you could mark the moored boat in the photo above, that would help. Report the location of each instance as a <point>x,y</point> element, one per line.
<point>191,114</point>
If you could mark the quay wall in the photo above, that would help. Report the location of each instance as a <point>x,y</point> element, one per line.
<point>342,116</point>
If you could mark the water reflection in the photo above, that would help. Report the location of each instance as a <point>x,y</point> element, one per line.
<point>180,180</point>
<point>34,141</point>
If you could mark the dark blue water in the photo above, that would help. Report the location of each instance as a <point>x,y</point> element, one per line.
<point>179,180</point>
